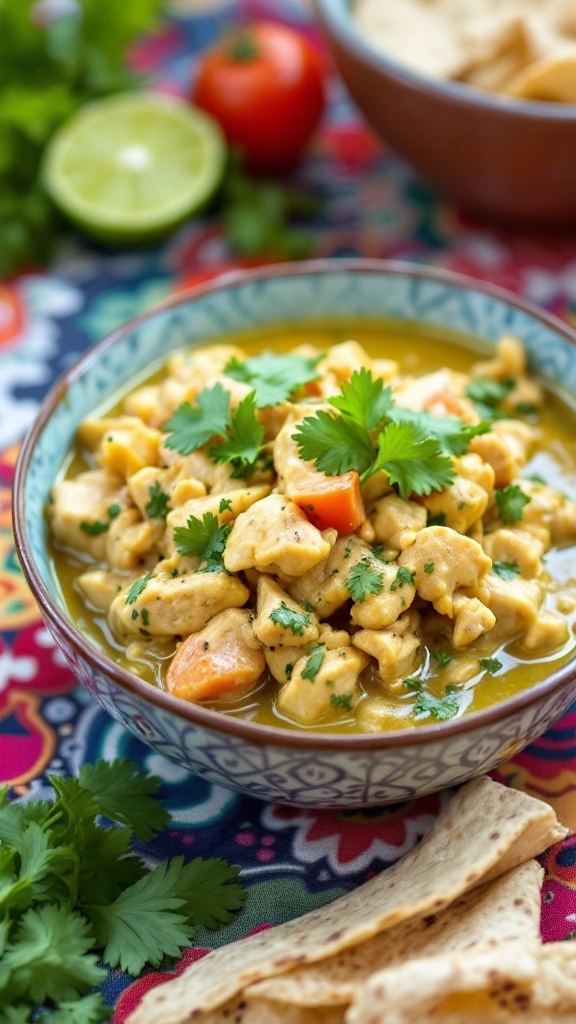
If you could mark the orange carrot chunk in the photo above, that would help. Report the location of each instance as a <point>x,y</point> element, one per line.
<point>221,662</point>
<point>331,501</point>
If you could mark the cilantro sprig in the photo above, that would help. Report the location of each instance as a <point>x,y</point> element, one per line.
<point>234,437</point>
<point>274,377</point>
<point>288,618</point>
<point>510,502</point>
<point>72,893</point>
<point>370,434</point>
<point>205,538</point>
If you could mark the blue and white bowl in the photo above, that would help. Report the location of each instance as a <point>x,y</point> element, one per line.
<point>297,768</point>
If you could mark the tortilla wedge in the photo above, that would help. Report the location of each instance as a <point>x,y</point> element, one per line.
<point>498,913</point>
<point>485,830</point>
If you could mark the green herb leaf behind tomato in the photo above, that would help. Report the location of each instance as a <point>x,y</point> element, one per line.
<point>265,86</point>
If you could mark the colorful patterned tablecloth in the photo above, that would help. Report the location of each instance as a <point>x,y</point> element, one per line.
<point>291,860</point>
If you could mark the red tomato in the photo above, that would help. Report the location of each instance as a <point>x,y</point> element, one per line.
<point>265,86</point>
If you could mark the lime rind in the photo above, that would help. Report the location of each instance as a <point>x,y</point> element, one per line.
<point>133,166</point>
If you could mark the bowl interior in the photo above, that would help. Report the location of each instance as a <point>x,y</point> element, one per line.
<point>280,294</point>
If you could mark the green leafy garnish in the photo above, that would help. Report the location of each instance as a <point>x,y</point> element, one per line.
<point>314,662</point>
<point>205,538</point>
<point>488,394</point>
<point>93,528</point>
<point>370,434</point>
<point>437,520</point>
<point>225,505</point>
<point>491,665</point>
<point>442,658</point>
<point>363,579</point>
<point>402,576</point>
<point>138,587</point>
<point>442,708</point>
<point>157,507</point>
<point>287,618</point>
<point>274,378</point>
<point>412,684</point>
<point>191,426</point>
<point>428,568</point>
<point>341,700</point>
<point>507,570</point>
<point>73,893</point>
<point>244,436</point>
<point>510,502</point>
<point>114,511</point>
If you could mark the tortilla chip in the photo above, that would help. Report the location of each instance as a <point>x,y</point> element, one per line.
<point>485,830</point>
<point>492,987</point>
<point>242,1010</point>
<point>552,79</point>
<point>501,912</point>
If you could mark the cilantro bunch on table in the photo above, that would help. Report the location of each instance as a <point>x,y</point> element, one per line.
<point>73,895</point>
<point>368,432</point>
<point>49,66</point>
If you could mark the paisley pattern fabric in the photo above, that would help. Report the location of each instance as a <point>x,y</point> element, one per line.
<point>292,860</point>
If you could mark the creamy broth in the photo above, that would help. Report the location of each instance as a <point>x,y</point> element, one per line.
<point>443,668</point>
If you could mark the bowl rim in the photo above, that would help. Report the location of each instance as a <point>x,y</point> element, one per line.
<point>194,713</point>
<point>335,17</point>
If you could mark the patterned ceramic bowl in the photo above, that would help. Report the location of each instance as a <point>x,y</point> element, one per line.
<point>292,768</point>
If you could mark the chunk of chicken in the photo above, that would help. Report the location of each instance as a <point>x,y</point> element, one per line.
<point>275,536</point>
<point>546,633</point>
<point>465,500</point>
<point>130,540</point>
<point>128,446</point>
<point>150,481</point>
<point>344,359</point>
<point>395,595</point>
<point>100,586</point>
<point>396,522</point>
<point>280,621</point>
<point>515,604</point>
<point>226,507</point>
<point>472,619</point>
<point>496,452</point>
<point>223,661</point>
<point>175,606</point>
<point>509,360</point>
<point>444,561</point>
<point>397,649</point>
<point>549,509</point>
<point>323,587</point>
<point>323,685</point>
<point>516,547</point>
<point>216,477</point>
<point>281,660</point>
<point>80,511</point>
<point>443,393</point>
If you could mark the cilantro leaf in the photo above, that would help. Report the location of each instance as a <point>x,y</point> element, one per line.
<point>93,528</point>
<point>287,618</point>
<point>205,538</point>
<point>363,579</point>
<point>138,587</point>
<point>124,793</point>
<point>510,501</point>
<point>191,426</point>
<point>442,708</point>
<point>402,576</point>
<point>507,570</point>
<point>144,923</point>
<point>413,684</point>
<point>487,395</point>
<point>157,507</point>
<point>335,443</point>
<point>274,377</point>
<point>48,957</point>
<point>414,462</point>
<point>491,665</point>
<point>210,891</point>
<point>341,700</point>
<point>442,658</point>
<point>452,434</point>
<point>90,1009</point>
<point>364,400</point>
<point>314,662</point>
<point>244,436</point>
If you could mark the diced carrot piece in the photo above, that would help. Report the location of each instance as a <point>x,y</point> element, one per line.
<point>331,501</point>
<point>224,671</point>
<point>446,403</point>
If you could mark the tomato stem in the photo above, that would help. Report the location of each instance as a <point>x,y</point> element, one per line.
<point>243,47</point>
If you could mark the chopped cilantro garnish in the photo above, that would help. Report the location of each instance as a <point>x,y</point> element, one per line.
<point>113,511</point>
<point>507,570</point>
<point>288,670</point>
<point>442,658</point>
<point>145,617</point>
<point>526,409</point>
<point>244,436</point>
<point>453,435</point>
<point>93,528</point>
<point>287,618</point>
<point>191,426</point>
<point>442,708</point>
<point>363,579</point>
<point>205,538</point>
<point>535,478</point>
<point>368,436</point>
<point>412,684</point>
<point>273,377</point>
<point>437,520</point>
<point>491,665</point>
<point>314,662</point>
<point>157,507</point>
<point>488,394</point>
<point>225,505</point>
<point>428,568</point>
<point>137,588</point>
<point>341,700</point>
<point>378,550</point>
<point>510,501</point>
<point>402,576</point>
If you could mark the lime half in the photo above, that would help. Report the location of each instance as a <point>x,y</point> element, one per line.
<point>130,167</point>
